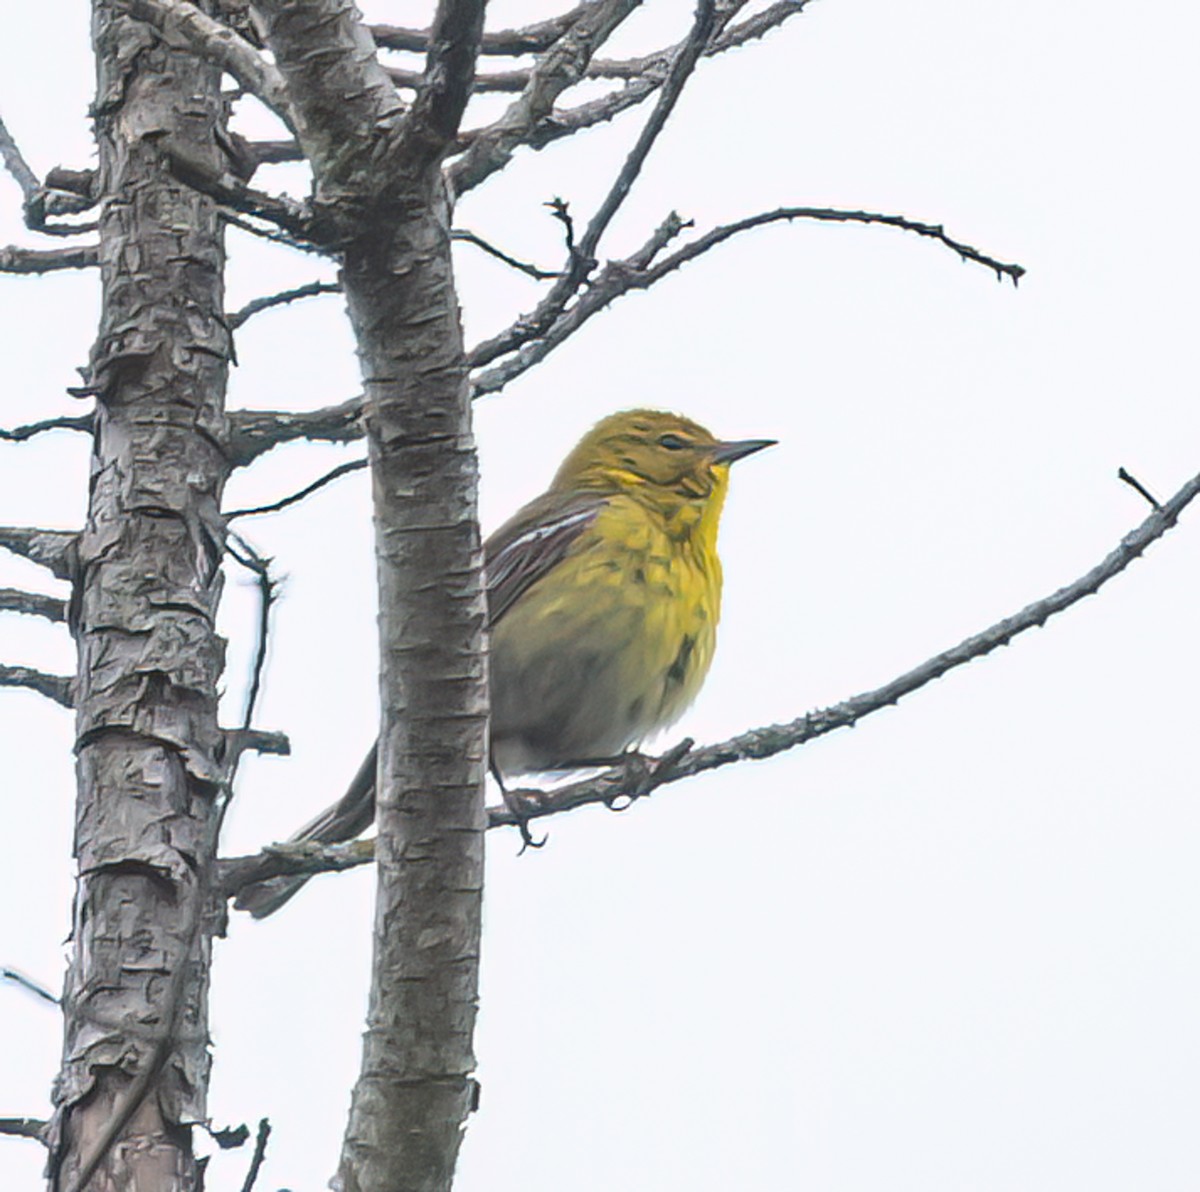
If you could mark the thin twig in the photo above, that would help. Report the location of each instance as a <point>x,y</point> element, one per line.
<point>639,273</point>
<point>353,465</point>
<point>479,242</point>
<point>310,858</point>
<point>256,305</point>
<point>581,258</point>
<point>34,604</point>
<point>260,565</point>
<point>34,987</point>
<point>260,1151</point>
<point>1138,487</point>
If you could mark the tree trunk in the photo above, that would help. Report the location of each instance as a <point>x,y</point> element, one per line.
<point>146,593</point>
<point>415,1089</point>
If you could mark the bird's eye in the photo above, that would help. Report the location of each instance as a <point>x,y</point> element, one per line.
<point>672,442</point>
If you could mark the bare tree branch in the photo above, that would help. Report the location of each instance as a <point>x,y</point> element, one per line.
<point>52,549</point>
<point>14,259</point>
<point>20,433</point>
<point>260,1152</point>
<point>643,775</point>
<point>644,76</point>
<point>581,260</point>
<point>445,87</point>
<point>524,266</point>
<point>33,603</point>
<point>531,338</point>
<point>531,39</point>
<point>561,66</point>
<point>55,687</point>
<point>253,307</point>
<point>17,166</point>
<point>33,1128</point>
<point>28,983</point>
<point>354,465</point>
<point>184,25</point>
<point>255,432</point>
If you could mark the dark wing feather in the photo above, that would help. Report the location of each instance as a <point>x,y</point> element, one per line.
<point>532,543</point>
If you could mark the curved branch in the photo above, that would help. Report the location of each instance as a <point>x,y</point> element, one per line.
<point>534,336</point>
<point>237,318</point>
<point>55,687</point>
<point>644,775</point>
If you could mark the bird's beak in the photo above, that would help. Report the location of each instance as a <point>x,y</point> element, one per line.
<point>726,453</point>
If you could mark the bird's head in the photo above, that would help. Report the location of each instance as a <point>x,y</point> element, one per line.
<point>653,453</point>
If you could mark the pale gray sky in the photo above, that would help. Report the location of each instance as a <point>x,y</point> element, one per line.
<point>951,949</point>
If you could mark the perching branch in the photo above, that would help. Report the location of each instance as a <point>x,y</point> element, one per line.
<point>35,604</point>
<point>52,549</point>
<point>55,687</point>
<point>532,337</point>
<point>632,781</point>
<point>14,259</point>
<point>255,432</point>
<point>184,25</point>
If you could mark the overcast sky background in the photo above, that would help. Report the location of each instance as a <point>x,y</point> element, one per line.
<point>954,948</point>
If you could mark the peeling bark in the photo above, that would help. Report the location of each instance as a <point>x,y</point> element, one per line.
<point>147,589</point>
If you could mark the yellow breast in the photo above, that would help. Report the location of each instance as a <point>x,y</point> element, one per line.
<point>613,644</point>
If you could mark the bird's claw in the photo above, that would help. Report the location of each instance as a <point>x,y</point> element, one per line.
<point>516,805</point>
<point>641,773</point>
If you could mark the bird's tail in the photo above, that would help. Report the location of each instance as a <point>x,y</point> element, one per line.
<point>344,820</point>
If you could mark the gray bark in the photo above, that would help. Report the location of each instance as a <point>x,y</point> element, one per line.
<point>147,586</point>
<point>377,177</point>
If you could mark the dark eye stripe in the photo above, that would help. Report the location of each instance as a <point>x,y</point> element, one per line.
<point>672,442</point>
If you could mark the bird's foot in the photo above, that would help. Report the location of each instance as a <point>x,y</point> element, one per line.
<point>516,804</point>
<point>641,773</point>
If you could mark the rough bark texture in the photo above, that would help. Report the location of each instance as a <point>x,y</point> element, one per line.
<point>145,602</point>
<point>415,1089</point>
<point>378,181</point>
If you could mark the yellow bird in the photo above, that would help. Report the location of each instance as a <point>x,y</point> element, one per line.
<point>603,599</point>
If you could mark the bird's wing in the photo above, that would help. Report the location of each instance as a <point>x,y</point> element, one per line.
<point>532,543</point>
